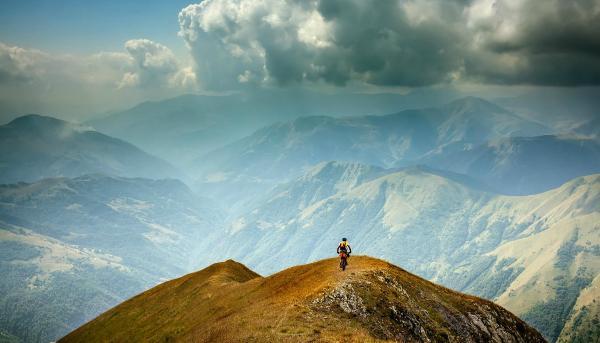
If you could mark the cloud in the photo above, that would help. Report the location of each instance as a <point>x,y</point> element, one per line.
<point>16,64</point>
<point>35,81</point>
<point>244,43</point>
<point>155,65</point>
<point>19,65</point>
<point>145,64</point>
<point>543,42</point>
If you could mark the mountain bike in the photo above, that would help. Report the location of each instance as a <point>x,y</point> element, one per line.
<point>343,260</point>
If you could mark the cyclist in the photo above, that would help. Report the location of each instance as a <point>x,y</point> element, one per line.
<point>344,251</point>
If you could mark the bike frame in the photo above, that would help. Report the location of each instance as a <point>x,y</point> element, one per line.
<point>343,260</point>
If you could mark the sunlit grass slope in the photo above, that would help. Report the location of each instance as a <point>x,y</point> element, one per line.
<point>372,301</point>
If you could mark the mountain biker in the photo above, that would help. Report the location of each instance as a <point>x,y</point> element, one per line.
<point>344,246</point>
<point>344,251</point>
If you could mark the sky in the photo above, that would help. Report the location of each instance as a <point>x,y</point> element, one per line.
<point>87,27</point>
<point>81,58</point>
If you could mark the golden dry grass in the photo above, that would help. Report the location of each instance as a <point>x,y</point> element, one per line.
<point>227,302</point>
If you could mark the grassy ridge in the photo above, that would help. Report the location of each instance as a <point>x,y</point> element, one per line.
<point>372,301</point>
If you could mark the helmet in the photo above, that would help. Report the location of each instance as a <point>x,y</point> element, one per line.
<point>344,239</point>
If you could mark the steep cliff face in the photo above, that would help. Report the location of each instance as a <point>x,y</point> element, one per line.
<point>372,301</point>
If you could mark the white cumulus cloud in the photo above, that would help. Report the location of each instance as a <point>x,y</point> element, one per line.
<point>36,81</point>
<point>155,65</point>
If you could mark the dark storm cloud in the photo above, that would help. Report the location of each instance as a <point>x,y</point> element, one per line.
<point>392,42</point>
<point>381,43</point>
<point>543,42</point>
<point>391,48</point>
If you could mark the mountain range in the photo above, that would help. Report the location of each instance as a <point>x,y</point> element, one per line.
<point>559,108</point>
<point>71,248</point>
<point>523,165</point>
<point>466,194</point>
<point>441,227</point>
<point>181,129</point>
<point>34,147</point>
<point>283,151</point>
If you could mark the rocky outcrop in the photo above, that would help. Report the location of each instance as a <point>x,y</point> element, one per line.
<point>392,311</point>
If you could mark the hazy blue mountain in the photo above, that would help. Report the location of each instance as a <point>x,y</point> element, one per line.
<point>34,147</point>
<point>177,127</point>
<point>563,109</point>
<point>182,128</point>
<point>72,248</point>
<point>283,151</point>
<point>324,180</point>
<point>537,255</point>
<point>524,165</point>
<point>473,119</point>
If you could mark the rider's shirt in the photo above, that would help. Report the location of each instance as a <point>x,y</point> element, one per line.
<point>343,246</point>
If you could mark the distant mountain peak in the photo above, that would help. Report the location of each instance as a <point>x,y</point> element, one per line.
<point>36,146</point>
<point>474,104</point>
<point>43,122</point>
<point>30,119</point>
<point>328,167</point>
<point>310,122</point>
